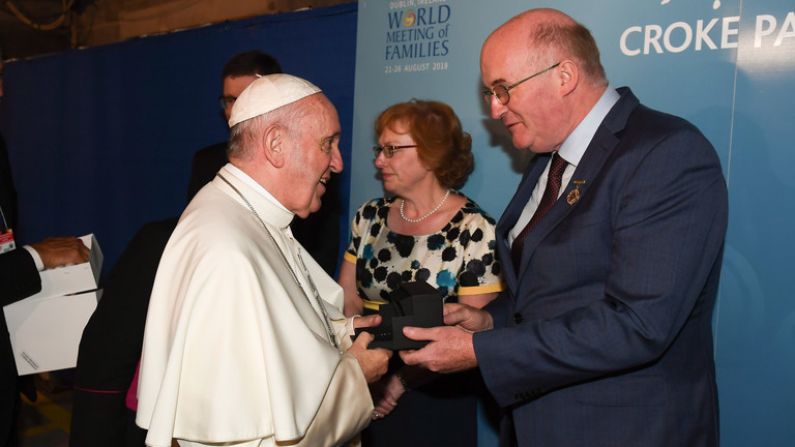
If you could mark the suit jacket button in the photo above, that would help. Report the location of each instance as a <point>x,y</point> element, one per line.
<point>517,318</point>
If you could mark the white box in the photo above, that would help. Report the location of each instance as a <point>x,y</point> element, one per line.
<point>46,331</point>
<point>73,278</point>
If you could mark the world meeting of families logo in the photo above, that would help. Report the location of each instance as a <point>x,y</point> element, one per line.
<point>417,36</point>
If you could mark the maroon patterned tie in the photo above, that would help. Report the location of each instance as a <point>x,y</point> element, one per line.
<point>554,179</point>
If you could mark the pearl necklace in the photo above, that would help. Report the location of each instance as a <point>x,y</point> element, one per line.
<point>426,215</point>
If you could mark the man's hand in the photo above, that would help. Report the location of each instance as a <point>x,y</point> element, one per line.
<point>467,317</point>
<point>60,251</point>
<point>373,362</point>
<point>450,349</point>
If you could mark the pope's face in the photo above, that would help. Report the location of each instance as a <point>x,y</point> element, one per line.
<point>315,155</point>
<point>532,112</point>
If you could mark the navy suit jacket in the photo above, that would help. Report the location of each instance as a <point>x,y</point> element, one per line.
<point>603,336</point>
<point>19,278</point>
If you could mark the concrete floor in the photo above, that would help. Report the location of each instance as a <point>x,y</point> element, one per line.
<point>45,423</point>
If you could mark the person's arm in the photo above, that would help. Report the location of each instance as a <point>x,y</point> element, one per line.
<point>347,279</point>
<point>477,301</point>
<point>347,275</point>
<point>480,279</point>
<point>18,275</point>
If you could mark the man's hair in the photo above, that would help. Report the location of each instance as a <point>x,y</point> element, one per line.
<point>573,40</point>
<point>251,63</point>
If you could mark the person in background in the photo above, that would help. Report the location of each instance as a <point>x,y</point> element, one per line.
<point>611,248</point>
<point>319,232</point>
<point>426,231</point>
<point>245,342</point>
<point>238,72</point>
<point>19,278</point>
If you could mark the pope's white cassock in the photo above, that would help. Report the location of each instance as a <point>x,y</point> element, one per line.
<point>236,349</point>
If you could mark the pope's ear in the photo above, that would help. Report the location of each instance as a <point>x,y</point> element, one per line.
<point>273,144</point>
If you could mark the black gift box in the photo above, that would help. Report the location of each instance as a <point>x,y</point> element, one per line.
<point>415,304</point>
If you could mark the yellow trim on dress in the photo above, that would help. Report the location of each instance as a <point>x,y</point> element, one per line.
<point>373,305</point>
<point>479,290</point>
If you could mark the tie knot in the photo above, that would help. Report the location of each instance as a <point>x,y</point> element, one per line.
<point>558,166</point>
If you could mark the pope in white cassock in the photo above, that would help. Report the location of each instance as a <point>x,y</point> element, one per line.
<point>245,342</point>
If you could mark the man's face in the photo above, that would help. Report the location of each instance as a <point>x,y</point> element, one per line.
<point>314,156</point>
<point>532,114</point>
<point>232,88</point>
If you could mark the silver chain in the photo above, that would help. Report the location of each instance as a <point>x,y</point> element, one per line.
<point>329,331</point>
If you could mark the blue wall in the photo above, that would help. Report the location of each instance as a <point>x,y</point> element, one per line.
<point>727,66</point>
<point>101,139</point>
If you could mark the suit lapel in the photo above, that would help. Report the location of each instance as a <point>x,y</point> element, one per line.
<point>512,213</point>
<point>604,141</point>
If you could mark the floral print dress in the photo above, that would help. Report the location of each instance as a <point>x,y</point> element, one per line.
<point>458,260</point>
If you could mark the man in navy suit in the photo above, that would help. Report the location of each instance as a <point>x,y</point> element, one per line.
<point>603,337</point>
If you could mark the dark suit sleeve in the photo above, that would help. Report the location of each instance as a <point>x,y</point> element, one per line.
<point>8,193</point>
<point>668,221</point>
<point>206,163</point>
<point>500,309</point>
<point>319,233</point>
<point>18,276</point>
<point>111,344</point>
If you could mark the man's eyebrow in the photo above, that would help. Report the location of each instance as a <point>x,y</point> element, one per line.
<point>498,81</point>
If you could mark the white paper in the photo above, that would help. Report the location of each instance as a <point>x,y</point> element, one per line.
<point>46,331</point>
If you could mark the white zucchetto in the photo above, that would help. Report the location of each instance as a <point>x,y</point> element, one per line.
<point>268,93</point>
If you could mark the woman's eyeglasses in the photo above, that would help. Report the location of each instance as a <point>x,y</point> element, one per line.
<point>389,150</point>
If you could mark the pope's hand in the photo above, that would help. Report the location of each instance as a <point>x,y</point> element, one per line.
<point>373,362</point>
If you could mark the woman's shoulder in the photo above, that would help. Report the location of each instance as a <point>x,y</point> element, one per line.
<point>378,207</point>
<point>472,212</point>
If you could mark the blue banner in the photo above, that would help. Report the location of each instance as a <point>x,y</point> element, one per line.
<point>727,66</point>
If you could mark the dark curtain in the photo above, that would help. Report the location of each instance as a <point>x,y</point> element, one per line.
<point>101,139</point>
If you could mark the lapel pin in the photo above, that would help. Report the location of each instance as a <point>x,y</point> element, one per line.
<point>574,194</point>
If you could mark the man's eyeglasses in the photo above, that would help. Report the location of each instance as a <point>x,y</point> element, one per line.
<point>226,101</point>
<point>389,150</point>
<point>501,90</point>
